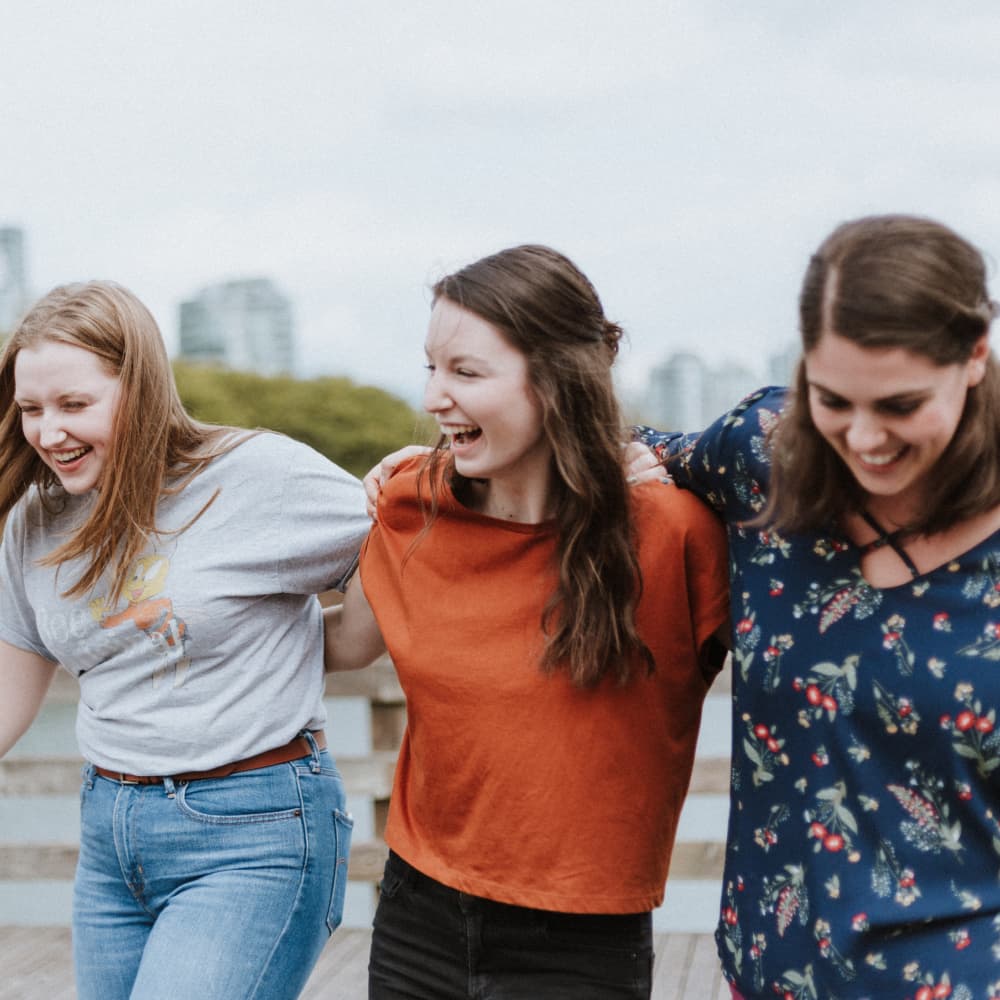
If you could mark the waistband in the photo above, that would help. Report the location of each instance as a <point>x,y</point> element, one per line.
<point>300,746</point>
<point>640,924</point>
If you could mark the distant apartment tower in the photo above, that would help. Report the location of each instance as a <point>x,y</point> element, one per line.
<point>675,400</point>
<point>726,386</point>
<point>782,364</point>
<point>245,325</point>
<point>13,278</point>
<point>686,395</point>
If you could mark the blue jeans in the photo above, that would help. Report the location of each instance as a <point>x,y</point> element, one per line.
<point>431,942</point>
<point>218,889</point>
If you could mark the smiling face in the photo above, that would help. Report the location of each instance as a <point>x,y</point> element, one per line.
<point>479,391</point>
<point>889,413</point>
<point>67,401</point>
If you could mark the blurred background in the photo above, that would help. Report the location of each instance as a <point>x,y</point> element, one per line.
<point>280,182</point>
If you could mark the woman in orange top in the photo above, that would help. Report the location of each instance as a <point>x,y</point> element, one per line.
<point>554,631</point>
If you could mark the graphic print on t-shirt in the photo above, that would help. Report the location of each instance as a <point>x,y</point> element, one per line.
<point>151,613</point>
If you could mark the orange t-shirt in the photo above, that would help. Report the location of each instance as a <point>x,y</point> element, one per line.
<point>513,784</point>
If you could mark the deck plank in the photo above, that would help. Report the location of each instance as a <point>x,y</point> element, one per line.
<point>37,965</point>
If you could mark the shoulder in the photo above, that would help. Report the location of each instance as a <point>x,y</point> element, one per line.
<point>414,481</point>
<point>49,508</point>
<point>754,414</point>
<point>669,511</point>
<point>407,492</point>
<point>255,445</point>
<point>273,458</point>
<point>719,461</point>
<point>403,480</point>
<point>677,533</point>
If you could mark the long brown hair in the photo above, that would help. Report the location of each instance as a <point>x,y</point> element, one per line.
<point>881,282</point>
<point>548,309</point>
<point>155,447</point>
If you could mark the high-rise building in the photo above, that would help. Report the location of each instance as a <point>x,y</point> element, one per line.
<point>725,387</point>
<point>13,278</point>
<point>685,394</point>
<point>675,398</point>
<point>781,364</point>
<point>245,325</point>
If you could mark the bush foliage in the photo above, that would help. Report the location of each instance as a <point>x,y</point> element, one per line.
<point>353,425</point>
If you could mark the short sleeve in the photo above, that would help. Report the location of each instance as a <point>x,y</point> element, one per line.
<point>727,464</point>
<point>323,523</point>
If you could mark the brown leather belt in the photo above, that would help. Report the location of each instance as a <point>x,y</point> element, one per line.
<point>298,747</point>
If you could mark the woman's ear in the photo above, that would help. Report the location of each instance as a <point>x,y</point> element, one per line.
<point>976,365</point>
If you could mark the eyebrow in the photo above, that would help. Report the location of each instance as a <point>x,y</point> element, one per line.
<point>905,395</point>
<point>69,394</point>
<point>463,359</point>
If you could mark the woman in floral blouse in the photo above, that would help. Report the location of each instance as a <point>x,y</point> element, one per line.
<point>863,514</point>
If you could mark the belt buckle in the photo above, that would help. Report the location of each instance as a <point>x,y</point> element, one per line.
<point>124,779</point>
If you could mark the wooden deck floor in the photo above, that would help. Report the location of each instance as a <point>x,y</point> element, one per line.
<point>35,964</point>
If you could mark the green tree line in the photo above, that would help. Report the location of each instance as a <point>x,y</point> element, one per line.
<point>353,425</point>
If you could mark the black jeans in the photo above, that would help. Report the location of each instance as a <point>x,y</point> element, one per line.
<point>431,942</point>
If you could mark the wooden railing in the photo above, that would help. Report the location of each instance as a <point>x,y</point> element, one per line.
<point>367,777</point>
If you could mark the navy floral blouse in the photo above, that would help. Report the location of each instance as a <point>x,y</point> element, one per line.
<point>863,853</point>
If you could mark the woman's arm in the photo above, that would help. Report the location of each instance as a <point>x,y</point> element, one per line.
<point>24,679</point>
<point>351,636</point>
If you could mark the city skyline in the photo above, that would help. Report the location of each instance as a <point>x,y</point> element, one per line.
<point>246,323</point>
<point>689,155</point>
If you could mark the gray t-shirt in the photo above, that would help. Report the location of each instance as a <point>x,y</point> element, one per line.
<point>214,651</point>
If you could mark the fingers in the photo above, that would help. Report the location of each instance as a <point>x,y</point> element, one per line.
<point>655,474</point>
<point>373,487</point>
<point>642,465</point>
<point>378,475</point>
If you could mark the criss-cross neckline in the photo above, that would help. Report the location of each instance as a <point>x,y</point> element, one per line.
<point>884,538</point>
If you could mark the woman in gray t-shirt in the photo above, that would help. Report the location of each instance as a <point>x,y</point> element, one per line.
<point>172,568</point>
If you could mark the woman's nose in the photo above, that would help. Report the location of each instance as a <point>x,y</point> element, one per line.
<point>865,432</point>
<point>435,397</point>
<point>50,433</point>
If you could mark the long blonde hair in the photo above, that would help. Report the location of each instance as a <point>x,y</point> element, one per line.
<point>155,447</point>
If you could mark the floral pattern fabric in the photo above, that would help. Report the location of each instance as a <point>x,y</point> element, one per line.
<point>863,856</point>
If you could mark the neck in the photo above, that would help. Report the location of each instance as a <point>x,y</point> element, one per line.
<point>508,502</point>
<point>892,513</point>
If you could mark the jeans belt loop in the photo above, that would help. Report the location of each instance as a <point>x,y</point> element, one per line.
<point>314,764</point>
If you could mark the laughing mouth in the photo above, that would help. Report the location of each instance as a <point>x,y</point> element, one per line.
<point>462,434</point>
<point>881,459</point>
<point>68,457</point>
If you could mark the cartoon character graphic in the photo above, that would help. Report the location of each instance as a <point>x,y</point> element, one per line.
<point>151,613</point>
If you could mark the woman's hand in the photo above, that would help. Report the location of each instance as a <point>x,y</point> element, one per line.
<point>378,475</point>
<point>642,465</point>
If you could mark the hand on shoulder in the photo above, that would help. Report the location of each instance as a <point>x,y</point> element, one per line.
<point>379,474</point>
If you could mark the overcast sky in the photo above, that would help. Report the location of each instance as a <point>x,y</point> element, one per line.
<point>688,155</point>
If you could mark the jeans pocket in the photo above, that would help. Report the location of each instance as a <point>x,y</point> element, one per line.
<point>392,879</point>
<point>343,827</point>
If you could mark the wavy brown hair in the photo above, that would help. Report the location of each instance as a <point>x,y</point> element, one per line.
<point>892,281</point>
<point>155,447</point>
<point>548,309</point>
